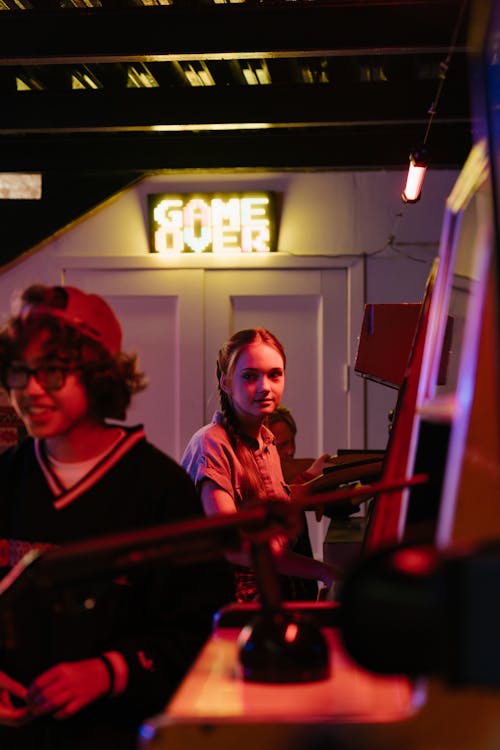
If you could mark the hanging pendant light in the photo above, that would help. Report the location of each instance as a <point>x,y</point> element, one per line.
<point>419,161</point>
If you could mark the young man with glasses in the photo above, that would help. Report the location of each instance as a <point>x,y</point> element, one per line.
<point>87,676</point>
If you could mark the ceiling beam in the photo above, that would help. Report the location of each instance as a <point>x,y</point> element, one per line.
<point>197,31</point>
<point>367,147</point>
<point>223,107</point>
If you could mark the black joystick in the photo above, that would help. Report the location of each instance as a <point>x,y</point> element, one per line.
<point>280,645</point>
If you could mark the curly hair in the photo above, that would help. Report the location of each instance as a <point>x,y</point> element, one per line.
<point>109,380</point>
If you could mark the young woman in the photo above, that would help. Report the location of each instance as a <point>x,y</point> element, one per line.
<point>234,460</point>
<point>86,674</point>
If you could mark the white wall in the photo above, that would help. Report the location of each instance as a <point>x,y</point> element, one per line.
<point>325,214</point>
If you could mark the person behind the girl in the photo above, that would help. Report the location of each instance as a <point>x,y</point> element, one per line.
<point>89,673</point>
<point>282,424</point>
<point>234,460</point>
<point>284,428</point>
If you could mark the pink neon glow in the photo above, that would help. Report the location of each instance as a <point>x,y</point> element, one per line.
<point>414,182</point>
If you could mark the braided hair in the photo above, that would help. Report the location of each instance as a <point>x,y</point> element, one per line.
<point>226,364</point>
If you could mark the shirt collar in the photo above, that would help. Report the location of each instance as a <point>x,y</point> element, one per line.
<point>265,433</point>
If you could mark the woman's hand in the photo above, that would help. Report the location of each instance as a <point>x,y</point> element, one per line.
<point>68,687</point>
<point>10,714</point>
<point>318,466</point>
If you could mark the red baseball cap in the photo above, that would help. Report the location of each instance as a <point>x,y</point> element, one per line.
<point>88,313</point>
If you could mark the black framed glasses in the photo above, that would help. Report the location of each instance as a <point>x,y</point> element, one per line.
<point>50,376</point>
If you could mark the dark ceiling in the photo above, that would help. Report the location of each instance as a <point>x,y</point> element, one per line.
<point>96,94</point>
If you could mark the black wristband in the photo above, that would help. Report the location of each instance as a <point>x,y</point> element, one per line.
<point>111,674</point>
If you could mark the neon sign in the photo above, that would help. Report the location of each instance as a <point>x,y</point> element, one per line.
<point>227,223</point>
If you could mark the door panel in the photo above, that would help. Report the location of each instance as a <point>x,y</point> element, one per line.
<point>307,311</point>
